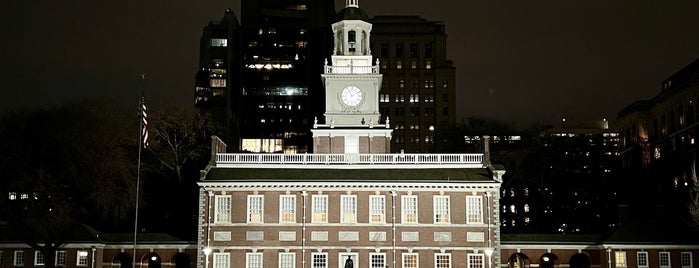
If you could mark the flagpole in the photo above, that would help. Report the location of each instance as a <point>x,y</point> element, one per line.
<point>142,142</point>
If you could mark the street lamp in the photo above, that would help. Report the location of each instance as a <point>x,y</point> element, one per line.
<point>489,252</point>
<point>207,251</point>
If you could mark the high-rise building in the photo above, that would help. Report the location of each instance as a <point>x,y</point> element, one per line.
<point>419,87</point>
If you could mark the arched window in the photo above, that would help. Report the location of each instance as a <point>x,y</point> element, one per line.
<point>548,260</point>
<point>152,259</point>
<point>352,40</point>
<point>181,260</point>
<point>579,260</point>
<point>518,260</point>
<point>122,260</point>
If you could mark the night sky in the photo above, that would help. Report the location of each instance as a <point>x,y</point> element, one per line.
<point>518,61</point>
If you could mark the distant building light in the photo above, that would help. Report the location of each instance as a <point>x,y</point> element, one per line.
<point>13,196</point>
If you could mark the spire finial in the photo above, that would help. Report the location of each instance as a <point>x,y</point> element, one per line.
<point>351,3</point>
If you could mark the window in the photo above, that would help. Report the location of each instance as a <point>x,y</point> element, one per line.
<point>686,259</point>
<point>428,64</point>
<point>428,50</point>
<point>399,51</point>
<point>320,208</point>
<point>287,209</point>
<point>428,98</point>
<point>352,40</point>
<point>400,111</point>
<point>399,64</point>
<point>474,209</point>
<point>348,209</point>
<point>219,42</point>
<point>82,258</point>
<point>61,258</point>
<point>410,260</point>
<point>414,111</point>
<point>642,259</point>
<point>445,84</point>
<point>222,260</point>
<point>384,98</point>
<point>413,50</point>
<point>620,258</point>
<point>664,259</point>
<point>223,209</point>
<point>442,260</point>
<point>429,139</point>
<point>441,209</point>
<point>377,209</point>
<point>253,260</point>
<point>475,260</point>
<point>19,258</point>
<point>38,258</point>
<point>414,98</point>
<point>377,260</point>
<point>319,260</point>
<point>384,50</point>
<point>287,260</point>
<point>400,98</point>
<point>401,83</point>
<point>217,82</point>
<point>255,205</point>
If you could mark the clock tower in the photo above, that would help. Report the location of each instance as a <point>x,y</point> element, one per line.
<point>353,124</point>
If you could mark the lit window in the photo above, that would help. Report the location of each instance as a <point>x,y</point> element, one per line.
<point>287,208</point>
<point>620,258</point>
<point>642,259</point>
<point>223,209</point>
<point>253,260</point>
<point>377,260</point>
<point>19,258</point>
<point>414,98</point>
<point>82,258</point>
<point>320,208</point>
<point>384,98</point>
<point>61,258</point>
<point>287,260</point>
<point>348,209</point>
<point>664,259</point>
<point>319,260</point>
<point>428,64</point>
<point>400,98</point>
<point>217,83</point>
<point>442,260</point>
<point>377,209</point>
<point>399,64</point>
<point>38,258</point>
<point>12,196</point>
<point>474,209</point>
<point>410,260</point>
<point>686,259</point>
<point>476,260</point>
<point>255,208</point>
<point>219,42</point>
<point>441,209</point>
<point>222,260</point>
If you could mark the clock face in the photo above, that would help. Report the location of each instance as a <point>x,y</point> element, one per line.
<point>351,96</point>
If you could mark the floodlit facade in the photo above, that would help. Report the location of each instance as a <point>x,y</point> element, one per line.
<point>351,203</point>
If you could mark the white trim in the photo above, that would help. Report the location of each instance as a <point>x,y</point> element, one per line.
<point>258,206</point>
<point>373,208</point>
<point>447,203</point>
<point>691,260</point>
<point>293,259</point>
<point>638,258</point>
<point>286,207</point>
<point>382,254</point>
<point>348,208</point>
<point>452,186</point>
<point>220,200</point>
<point>403,209</point>
<point>225,259</point>
<point>669,259</point>
<point>478,207</point>
<point>416,255</point>
<point>254,256</point>
<point>315,207</point>
<point>451,261</point>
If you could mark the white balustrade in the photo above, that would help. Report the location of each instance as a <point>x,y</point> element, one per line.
<point>362,159</point>
<point>351,69</point>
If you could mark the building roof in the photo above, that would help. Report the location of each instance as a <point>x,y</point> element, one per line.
<point>354,174</point>
<point>352,13</point>
<point>665,231</point>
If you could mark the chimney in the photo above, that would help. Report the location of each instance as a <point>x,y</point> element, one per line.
<point>486,150</point>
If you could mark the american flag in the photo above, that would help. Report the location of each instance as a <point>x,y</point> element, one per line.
<point>144,123</point>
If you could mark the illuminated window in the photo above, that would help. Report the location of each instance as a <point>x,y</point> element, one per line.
<point>441,209</point>
<point>377,209</point>
<point>384,98</point>
<point>12,196</point>
<point>414,98</point>
<point>377,260</point>
<point>348,209</point>
<point>222,260</point>
<point>642,259</point>
<point>320,209</point>
<point>413,64</point>
<point>287,260</point>
<point>82,258</point>
<point>429,139</point>
<point>410,260</point>
<point>253,260</point>
<point>217,73</point>
<point>474,209</point>
<point>401,83</point>
<point>475,260</point>
<point>428,64</point>
<point>218,42</point>
<point>399,64</point>
<point>428,98</point>
<point>223,209</point>
<point>400,98</point>
<point>287,209</point>
<point>445,84</point>
<point>442,260</point>
<point>255,208</point>
<point>620,258</point>
<point>218,82</point>
<point>664,259</point>
<point>409,209</point>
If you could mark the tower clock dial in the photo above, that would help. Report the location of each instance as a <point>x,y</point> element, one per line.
<point>351,96</point>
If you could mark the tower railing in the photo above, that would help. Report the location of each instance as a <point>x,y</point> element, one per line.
<point>355,159</point>
<point>351,69</point>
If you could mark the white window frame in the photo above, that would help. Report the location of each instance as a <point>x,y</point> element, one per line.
<point>222,260</point>
<point>642,255</point>
<point>474,209</point>
<point>381,256</point>
<point>620,259</point>
<point>319,209</point>
<point>406,264</point>
<point>18,258</point>
<point>475,257</point>
<point>222,209</point>
<point>686,255</point>
<point>287,209</point>
<point>287,260</point>
<point>377,209</point>
<point>256,209</point>
<point>660,259</point>
<point>408,208</point>
<point>61,258</point>
<point>81,259</point>
<point>348,208</point>
<point>440,206</point>
<point>437,258</point>
<point>39,259</point>
<point>254,260</point>
<point>324,256</point>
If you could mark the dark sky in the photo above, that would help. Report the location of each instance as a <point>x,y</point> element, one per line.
<point>518,61</point>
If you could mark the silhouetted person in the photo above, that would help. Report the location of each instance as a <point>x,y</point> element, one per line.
<point>349,263</point>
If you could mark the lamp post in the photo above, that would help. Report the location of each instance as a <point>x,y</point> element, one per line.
<point>489,253</point>
<point>207,251</point>
<point>93,256</point>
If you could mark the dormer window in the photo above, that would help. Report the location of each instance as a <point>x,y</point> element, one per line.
<point>352,40</point>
